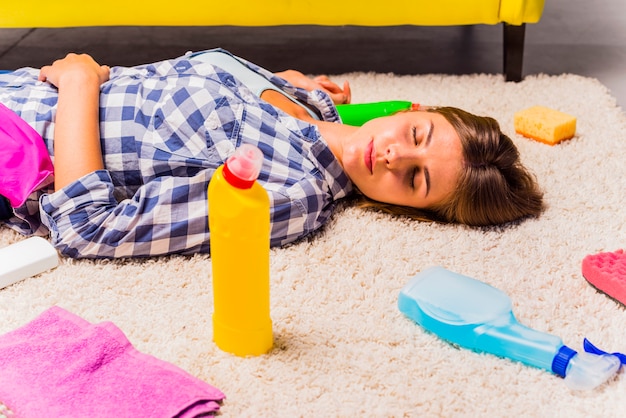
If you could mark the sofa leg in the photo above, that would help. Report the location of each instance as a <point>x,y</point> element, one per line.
<point>513,51</point>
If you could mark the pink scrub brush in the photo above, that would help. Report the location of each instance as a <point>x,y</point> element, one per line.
<point>607,273</point>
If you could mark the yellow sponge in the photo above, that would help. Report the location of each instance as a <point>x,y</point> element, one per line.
<point>544,124</point>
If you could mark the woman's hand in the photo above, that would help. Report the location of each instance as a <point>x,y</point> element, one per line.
<point>77,149</point>
<point>338,94</point>
<point>74,68</point>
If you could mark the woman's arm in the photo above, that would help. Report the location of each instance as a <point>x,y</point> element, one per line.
<point>77,149</point>
<point>338,94</point>
<point>296,78</point>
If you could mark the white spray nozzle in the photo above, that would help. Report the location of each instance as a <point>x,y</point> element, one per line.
<point>587,371</point>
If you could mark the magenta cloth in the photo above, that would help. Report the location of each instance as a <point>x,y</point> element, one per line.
<point>25,164</point>
<point>60,365</point>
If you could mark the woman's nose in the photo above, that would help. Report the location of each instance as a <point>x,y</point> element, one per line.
<point>398,156</point>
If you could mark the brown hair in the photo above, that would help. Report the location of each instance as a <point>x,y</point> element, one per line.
<point>494,187</point>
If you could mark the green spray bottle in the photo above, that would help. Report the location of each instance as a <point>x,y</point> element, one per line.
<point>359,113</point>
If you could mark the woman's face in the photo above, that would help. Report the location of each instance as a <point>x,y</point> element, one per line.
<point>411,159</point>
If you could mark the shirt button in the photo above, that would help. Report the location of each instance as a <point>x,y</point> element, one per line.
<point>213,121</point>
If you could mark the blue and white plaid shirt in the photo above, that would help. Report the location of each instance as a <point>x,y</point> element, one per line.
<point>165,128</point>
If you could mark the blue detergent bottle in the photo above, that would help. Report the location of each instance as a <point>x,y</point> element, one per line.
<point>477,316</point>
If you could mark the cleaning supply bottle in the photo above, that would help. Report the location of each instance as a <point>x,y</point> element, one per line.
<point>479,317</point>
<point>239,222</point>
<point>359,113</point>
<point>26,258</point>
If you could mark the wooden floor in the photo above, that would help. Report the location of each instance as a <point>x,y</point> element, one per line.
<point>574,36</point>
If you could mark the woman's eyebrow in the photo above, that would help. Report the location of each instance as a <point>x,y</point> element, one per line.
<point>426,172</point>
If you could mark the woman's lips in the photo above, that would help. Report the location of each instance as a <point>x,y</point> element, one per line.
<point>368,156</point>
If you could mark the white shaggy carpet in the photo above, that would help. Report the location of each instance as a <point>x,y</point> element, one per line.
<point>342,348</point>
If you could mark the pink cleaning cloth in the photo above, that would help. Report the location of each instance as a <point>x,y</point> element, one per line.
<point>60,365</point>
<point>607,273</point>
<point>25,164</point>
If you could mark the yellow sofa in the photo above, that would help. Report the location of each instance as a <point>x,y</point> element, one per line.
<point>513,14</point>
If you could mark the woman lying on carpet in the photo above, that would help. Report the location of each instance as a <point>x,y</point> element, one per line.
<point>135,148</point>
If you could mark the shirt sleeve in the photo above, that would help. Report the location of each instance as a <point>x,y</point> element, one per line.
<point>167,215</point>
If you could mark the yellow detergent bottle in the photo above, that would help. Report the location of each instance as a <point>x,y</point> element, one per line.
<point>239,221</point>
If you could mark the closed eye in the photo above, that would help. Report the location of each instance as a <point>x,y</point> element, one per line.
<point>416,170</point>
<point>414,173</point>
